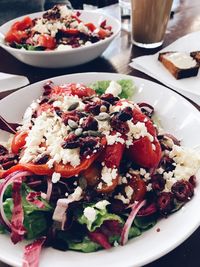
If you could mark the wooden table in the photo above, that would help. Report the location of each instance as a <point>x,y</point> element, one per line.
<point>116,59</point>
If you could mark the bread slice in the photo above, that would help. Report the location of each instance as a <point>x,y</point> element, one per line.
<point>196,56</point>
<point>179,64</point>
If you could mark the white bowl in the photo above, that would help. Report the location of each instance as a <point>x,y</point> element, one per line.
<point>68,58</point>
<point>179,118</point>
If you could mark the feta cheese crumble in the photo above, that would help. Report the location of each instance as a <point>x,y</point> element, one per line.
<point>55,177</point>
<point>114,88</point>
<point>108,175</point>
<point>90,214</point>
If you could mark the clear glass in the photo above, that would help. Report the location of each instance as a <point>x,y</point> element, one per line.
<point>149,22</point>
<point>125,11</point>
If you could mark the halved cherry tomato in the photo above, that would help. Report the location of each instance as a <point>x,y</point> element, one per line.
<point>142,152</point>
<point>91,26</point>
<point>139,188</point>
<point>47,41</point>
<point>38,169</point>
<point>18,141</point>
<point>43,108</point>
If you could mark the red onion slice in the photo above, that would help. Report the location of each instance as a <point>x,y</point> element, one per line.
<point>32,198</point>
<point>17,227</point>
<point>32,253</point>
<point>9,180</point>
<point>49,188</point>
<point>125,231</point>
<point>99,238</point>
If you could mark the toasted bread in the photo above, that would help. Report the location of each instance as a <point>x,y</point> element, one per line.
<point>171,61</point>
<point>196,56</point>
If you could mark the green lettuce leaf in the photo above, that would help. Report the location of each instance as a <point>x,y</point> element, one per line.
<point>128,87</point>
<point>102,215</point>
<point>146,222</point>
<point>29,47</point>
<point>85,246</point>
<point>36,220</point>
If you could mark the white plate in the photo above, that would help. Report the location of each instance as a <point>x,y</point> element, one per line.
<point>67,58</point>
<point>150,65</point>
<point>178,117</point>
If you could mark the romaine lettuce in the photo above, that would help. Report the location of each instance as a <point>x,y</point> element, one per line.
<point>128,87</point>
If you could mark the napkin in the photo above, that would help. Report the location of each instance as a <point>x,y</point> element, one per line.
<point>189,87</point>
<point>11,81</point>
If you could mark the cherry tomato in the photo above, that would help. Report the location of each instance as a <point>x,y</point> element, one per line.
<point>90,26</point>
<point>47,41</point>
<point>142,152</point>
<point>139,188</point>
<point>18,141</point>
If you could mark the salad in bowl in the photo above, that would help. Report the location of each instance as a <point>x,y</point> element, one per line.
<point>59,28</point>
<point>59,37</point>
<point>89,169</point>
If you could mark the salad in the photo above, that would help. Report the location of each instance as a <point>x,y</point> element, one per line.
<point>58,29</point>
<point>89,169</point>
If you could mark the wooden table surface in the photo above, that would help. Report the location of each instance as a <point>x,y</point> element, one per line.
<point>116,59</point>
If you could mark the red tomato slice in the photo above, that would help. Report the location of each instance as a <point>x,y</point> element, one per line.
<point>23,24</point>
<point>71,31</point>
<point>102,33</point>
<point>15,36</point>
<point>73,89</point>
<point>18,141</point>
<point>47,41</point>
<point>113,155</point>
<point>17,31</point>
<point>66,170</point>
<point>142,152</point>
<point>91,26</point>
<point>40,169</point>
<point>139,116</point>
<point>139,188</point>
